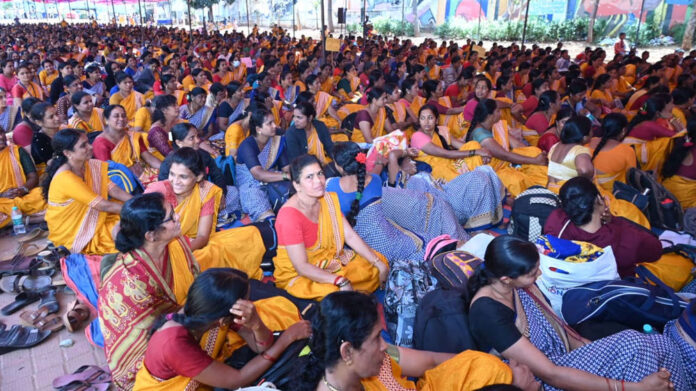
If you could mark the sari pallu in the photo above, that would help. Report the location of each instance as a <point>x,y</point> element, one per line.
<point>277,313</point>
<point>628,355</point>
<point>322,102</point>
<point>76,225</point>
<point>130,103</point>
<point>127,152</point>
<point>201,119</point>
<point>456,123</point>
<point>445,168</point>
<point>683,188</point>
<point>94,124</point>
<point>134,292</point>
<point>234,135</point>
<point>329,254</point>
<point>261,199</point>
<point>30,203</point>
<point>652,154</point>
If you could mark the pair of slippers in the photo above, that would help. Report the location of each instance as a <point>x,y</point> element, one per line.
<point>32,290</point>
<point>20,337</point>
<point>85,378</point>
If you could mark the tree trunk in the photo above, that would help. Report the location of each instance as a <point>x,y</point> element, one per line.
<point>590,26</point>
<point>210,14</point>
<point>329,14</point>
<point>690,27</point>
<point>416,22</point>
<point>298,24</point>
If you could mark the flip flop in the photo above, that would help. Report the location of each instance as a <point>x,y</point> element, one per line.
<point>18,284</point>
<point>49,323</point>
<point>18,265</point>
<point>76,314</point>
<point>89,374</point>
<point>20,337</point>
<point>21,300</point>
<point>32,249</point>
<point>83,386</point>
<point>31,235</point>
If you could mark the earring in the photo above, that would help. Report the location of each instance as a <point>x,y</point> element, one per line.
<point>349,362</point>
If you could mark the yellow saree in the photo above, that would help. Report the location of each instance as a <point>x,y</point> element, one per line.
<point>322,102</point>
<point>377,129</point>
<point>652,154</point>
<point>683,188</point>
<point>445,168</point>
<point>13,177</point>
<point>329,254</point>
<point>130,103</point>
<point>94,124</point>
<point>344,112</point>
<point>234,135</point>
<point>72,220</point>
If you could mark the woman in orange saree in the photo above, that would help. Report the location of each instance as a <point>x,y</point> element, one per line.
<point>679,171</point>
<point>126,96</point>
<point>18,183</point>
<point>371,122</point>
<point>85,116</point>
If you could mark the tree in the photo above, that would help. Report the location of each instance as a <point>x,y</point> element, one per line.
<point>590,26</point>
<point>329,8</point>
<point>416,22</point>
<point>202,4</point>
<point>690,27</point>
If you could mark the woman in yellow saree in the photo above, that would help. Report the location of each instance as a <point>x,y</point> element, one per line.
<point>126,96</point>
<point>492,134</point>
<point>449,116</point>
<point>679,171</point>
<point>80,214</point>
<point>18,183</point>
<point>611,158</point>
<point>324,104</point>
<point>311,261</point>
<point>371,122</point>
<point>348,87</point>
<point>149,277</point>
<point>85,116</point>
<point>217,303</point>
<point>448,157</point>
<point>362,360</point>
<point>197,202</point>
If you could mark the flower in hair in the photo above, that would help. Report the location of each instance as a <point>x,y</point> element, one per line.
<point>361,158</point>
<point>643,110</point>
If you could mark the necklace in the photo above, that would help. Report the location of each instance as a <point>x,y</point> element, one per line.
<point>331,387</point>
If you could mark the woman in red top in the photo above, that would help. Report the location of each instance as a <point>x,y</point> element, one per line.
<point>25,87</point>
<point>646,124</point>
<point>546,110</point>
<point>539,86</point>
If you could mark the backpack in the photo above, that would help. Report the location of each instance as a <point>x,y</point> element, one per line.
<point>442,323</point>
<point>530,211</point>
<point>633,302</point>
<point>452,269</point>
<point>664,209</point>
<point>227,166</point>
<point>407,283</point>
<point>629,193</point>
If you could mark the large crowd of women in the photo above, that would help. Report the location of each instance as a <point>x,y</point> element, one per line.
<point>190,164</point>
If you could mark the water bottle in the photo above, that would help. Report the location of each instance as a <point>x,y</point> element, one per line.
<point>648,329</point>
<point>18,221</point>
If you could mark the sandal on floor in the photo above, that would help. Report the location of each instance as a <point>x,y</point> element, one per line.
<point>90,374</point>
<point>32,249</point>
<point>49,323</point>
<point>18,265</point>
<point>31,235</point>
<point>30,317</point>
<point>75,316</point>
<point>84,386</point>
<point>48,302</point>
<point>21,300</point>
<point>20,337</point>
<point>18,284</point>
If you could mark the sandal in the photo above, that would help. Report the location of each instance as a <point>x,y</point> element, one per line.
<point>31,317</point>
<point>76,314</point>
<point>84,386</point>
<point>21,300</point>
<point>18,284</point>
<point>90,374</point>
<point>31,249</point>
<point>18,265</point>
<point>48,302</point>
<point>49,323</point>
<point>31,235</point>
<point>20,337</point>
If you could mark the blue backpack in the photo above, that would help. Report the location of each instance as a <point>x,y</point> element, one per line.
<point>633,302</point>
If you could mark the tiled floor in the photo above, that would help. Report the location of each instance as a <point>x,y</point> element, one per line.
<point>35,368</point>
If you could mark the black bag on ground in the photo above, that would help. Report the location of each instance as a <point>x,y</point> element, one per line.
<point>442,324</point>
<point>629,193</point>
<point>530,211</point>
<point>664,209</point>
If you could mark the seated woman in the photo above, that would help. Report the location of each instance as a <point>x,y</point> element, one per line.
<point>165,116</point>
<point>44,116</point>
<point>601,93</point>
<point>311,261</point>
<point>611,158</point>
<point>397,111</point>
<point>585,216</point>
<point>324,103</point>
<point>570,157</point>
<point>154,266</point>
<point>545,113</point>
<point>237,132</point>
<point>233,106</point>
<point>262,167</point>
<point>126,96</point>
<point>649,136</point>
<point>679,171</point>
<point>448,116</point>
<point>492,134</point>
<point>362,360</point>
<point>82,202</point>
<point>25,87</point>
<point>24,130</point>
<point>85,116</point>
<point>410,98</point>
<point>9,114</point>
<point>448,157</point>
<point>18,183</point>
<point>119,144</point>
<point>308,135</point>
<point>552,134</point>
<point>197,113</point>
<point>72,84</point>
<point>93,84</point>
<point>539,86</point>
<point>171,87</point>
<point>482,90</point>
<point>216,304</point>
<point>371,122</point>
<point>348,87</point>
<point>509,315</point>
<point>197,202</point>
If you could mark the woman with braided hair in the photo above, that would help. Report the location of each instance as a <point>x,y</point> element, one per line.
<point>312,259</point>
<point>217,308</point>
<point>545,112</point>
<point>612,159</point>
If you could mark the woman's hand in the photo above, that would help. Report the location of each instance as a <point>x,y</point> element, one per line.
<point>523,377</point>
<point>606,213</point>
<point>658,381</point>
<point>298,331</point>
<point>485,155</point>
<point>412,152</point>
<point>383,271</point>
<point>346,287</point>
<point>245,315</point>
<point>541,159</point>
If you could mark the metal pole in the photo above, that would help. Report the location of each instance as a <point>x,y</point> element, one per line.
<point>142,33</point>
<point>524,29</point>
<point>87,3</point>
<point>293,19</point>
<point>45,10</point>
<point>69,9</point>
<point>323,34</point>
<point>57,10</point>
<point>478,30</point>
<point>403,13</point>
<point>188,6</point>
<point>248,22</point>
<point>113,9</point>
<point>640,19</point>
<point>364,20</point>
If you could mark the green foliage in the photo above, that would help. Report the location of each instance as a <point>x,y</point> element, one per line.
<point>540,30</point>
<point>387,26</point>
<point>352,28</point>
<point>200,4</point>
<point>677,32</point>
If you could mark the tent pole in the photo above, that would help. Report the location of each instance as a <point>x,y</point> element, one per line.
<point>526,15</point>
<point>188,6</point>
<point>640,19</point>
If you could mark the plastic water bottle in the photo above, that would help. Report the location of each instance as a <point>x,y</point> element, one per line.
<point>648,329</point>
<point>18,221</point>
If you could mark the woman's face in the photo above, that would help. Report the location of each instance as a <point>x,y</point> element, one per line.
<point>182,179</point>
<point>312,181</point>
<point>82,150</point>
<point>414,90</point>
<point>132,62</point>
<point>74,87</point>
<point>95,76</point>
<point>408,166</point>
<point>381,101</point>
<point>201,79</point>
<point>171,85</point>
<point>287,81</point>
<point>220,96</point>
<point>24,75</point>
<point>300,119</point>
<point>126,85</point>
<point>8,69</point>
<point>481,89</point>
<point>394,96</point>
<point>199,100</point>
<point>352,71</point>
<point>667,111</point>
<point>268,127</point>
<point>527,280</point>
<point>368,359</point>
<point>191,140</point>
<point>543,88</point>
<point>170,113</point>
<point>427,120</point>
<point>86,104</point>
<point>118,119</point>
<point>170,227</point>
<point>50,119</point>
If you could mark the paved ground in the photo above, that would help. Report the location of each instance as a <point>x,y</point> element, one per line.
<point>35,368</point>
